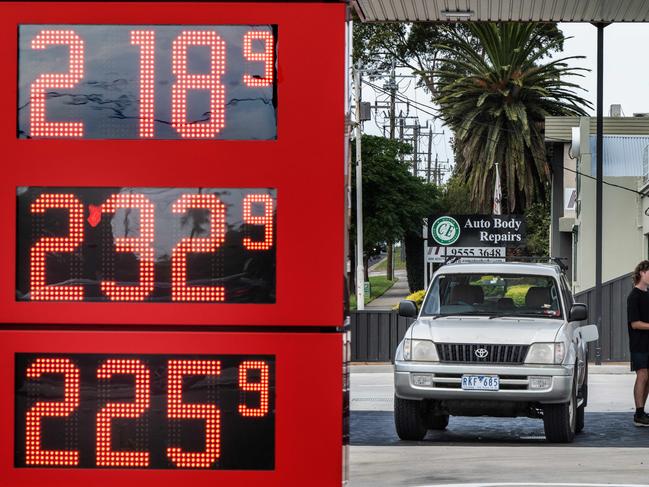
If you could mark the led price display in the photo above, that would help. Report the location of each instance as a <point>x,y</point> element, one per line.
<point>145,411</point>
<point>147,81</point>
<point>126,244</point>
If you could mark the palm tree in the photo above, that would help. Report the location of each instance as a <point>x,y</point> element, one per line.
<point>495,94</point>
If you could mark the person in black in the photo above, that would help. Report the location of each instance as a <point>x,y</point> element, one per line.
<point>637,305</point>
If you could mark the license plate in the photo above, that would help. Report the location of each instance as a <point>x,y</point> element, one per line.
<point>480,382</point>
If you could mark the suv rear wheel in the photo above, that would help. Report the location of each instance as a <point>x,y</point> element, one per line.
<point>560,420</point>
<point>409,419</point>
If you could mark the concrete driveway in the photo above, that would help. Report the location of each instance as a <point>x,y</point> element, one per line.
<point>611,450</point>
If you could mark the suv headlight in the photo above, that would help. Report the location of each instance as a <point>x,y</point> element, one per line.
<point>420,350</point>
<point>546,353</point>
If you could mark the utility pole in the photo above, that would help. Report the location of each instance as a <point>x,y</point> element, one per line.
<point>401,120</point>
<point>415,149</point>
<point>430,152</point>
<point>360,273</point>
<point>393,99</point>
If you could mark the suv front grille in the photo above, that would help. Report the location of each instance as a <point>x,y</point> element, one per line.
<point>496,354</point>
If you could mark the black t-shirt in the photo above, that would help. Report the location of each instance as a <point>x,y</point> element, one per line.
<point>637,309</point>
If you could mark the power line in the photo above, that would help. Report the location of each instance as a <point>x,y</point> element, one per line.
<point>626,188</point>
<point>404,98</point>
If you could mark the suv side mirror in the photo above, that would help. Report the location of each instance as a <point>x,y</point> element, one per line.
<point>578,312</point>
<point>407,309</point>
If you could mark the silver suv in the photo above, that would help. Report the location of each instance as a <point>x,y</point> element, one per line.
<point>494,339</point>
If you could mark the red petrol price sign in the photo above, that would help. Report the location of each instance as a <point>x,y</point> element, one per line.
<point>165,197</point>
<point>149,408</point>
<point>148,245</point>
<point>146,81</point>
<point>158,158</point>
<point>145,411</point>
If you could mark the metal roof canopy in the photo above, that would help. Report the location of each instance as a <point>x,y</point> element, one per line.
<point>503,10</point>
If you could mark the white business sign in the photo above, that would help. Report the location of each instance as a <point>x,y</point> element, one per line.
<point>466,254</point>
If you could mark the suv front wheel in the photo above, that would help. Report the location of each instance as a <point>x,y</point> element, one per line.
<point>409,419</point>
<point>560,420</point>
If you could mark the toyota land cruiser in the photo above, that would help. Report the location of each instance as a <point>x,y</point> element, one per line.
<point>494,339</point>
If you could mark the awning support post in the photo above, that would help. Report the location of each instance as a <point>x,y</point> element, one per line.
<point>599,155</point>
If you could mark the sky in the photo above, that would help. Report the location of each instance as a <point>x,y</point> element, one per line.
<point>626,76</point>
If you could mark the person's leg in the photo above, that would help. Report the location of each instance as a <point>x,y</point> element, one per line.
<point>640,388</point>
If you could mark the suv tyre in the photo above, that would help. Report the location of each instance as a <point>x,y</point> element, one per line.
<point>560,420</point>
<point>409,419</point>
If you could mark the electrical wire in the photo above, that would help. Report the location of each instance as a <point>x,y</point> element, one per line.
<point>626,188</point>
<point>404,98</point>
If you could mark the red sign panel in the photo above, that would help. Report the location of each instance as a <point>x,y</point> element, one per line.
<point>155,408</point>
<point>160,159</point>
<point>148,245</point>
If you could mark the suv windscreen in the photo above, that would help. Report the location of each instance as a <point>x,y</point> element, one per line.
<point>493,295</point>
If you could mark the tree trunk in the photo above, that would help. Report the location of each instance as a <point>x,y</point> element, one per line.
<point>414,260</point>
<point>390,271</point>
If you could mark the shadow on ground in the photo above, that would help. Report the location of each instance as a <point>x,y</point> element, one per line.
<point>603,429</point>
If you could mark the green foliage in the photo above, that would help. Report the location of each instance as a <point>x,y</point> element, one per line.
<point>418,46</point>
<point>378,46</point>
<point>496,99</point>
<point>537,217</point>
<point>455,198</point>
<point>518,293</point>
<point>394,201</point>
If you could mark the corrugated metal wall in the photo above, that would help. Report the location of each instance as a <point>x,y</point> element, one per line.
<point>376,334</point>
<point>559,129</point>
<point>614,336</point>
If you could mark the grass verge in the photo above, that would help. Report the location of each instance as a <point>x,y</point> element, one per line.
<point>383,265</point>
<point>379,285</point>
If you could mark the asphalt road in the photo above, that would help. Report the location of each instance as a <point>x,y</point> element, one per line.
<point>611,450</point>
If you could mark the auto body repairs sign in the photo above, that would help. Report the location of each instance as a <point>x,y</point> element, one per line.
<point>476,231</point>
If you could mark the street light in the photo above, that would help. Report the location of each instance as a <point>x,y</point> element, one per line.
<point>457,15</point>
<point>360,274</point>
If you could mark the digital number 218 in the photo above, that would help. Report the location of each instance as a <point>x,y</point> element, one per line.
<point>185,81</point>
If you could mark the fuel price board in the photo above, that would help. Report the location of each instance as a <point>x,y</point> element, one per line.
<point>171,301</point>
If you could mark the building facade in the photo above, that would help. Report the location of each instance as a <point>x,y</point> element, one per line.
<point>626,226</point>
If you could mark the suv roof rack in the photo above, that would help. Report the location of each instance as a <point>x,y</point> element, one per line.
<point>558,261</point>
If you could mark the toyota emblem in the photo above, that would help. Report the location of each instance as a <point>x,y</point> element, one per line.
<point>481,353</point>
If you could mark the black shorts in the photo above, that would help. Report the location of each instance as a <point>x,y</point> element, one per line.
<point>639,360</point>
